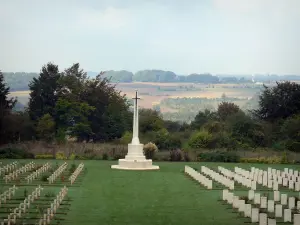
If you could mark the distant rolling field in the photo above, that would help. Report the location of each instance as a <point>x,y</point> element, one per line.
<point>153,93</point>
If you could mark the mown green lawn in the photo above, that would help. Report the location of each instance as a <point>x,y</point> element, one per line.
<point>167,196</point>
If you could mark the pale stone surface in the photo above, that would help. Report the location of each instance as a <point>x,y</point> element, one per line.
<point>278,210</point>
<point>242,206</point>
<point>263,202</point>
<point>230,197</point>
<point>235,202</point>
<point>271,206</point>
<point>276,196</point>
<point>291,202</point>
<point>262,219</point>
<point>257,198</point>
<point>270,183</point>
<point>298,205</point>
<point>254,215</point>
<point>135,159</point>
<point>275,186</point>
<point>251,194</point>
<point>291,184</point>
<point>248,209</point>
<point>271,221</point>
<point>224,196</point>
<point>283,199</point>
<point>287,216</point>
<point>296,219</point>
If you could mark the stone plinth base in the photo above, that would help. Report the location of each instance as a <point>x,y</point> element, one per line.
<point>135,160</point>
<point>125,164</point>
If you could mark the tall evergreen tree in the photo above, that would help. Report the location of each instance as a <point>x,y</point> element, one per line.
<point>43,92</point>
<point>6,105</point>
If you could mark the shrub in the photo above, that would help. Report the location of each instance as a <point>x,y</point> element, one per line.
<point>201,139</point>
<point>60,155</point>
<point>149,150</point>
<point>105,156</point>
<point>219,156</point>
<point>44,156</point>
<point>265,160</point>
<point>15,153</point>
<point>44,178</point>
<point>126,138</point>
<point>72,156</point>
<point>72,168</point>
<point>176,155</point>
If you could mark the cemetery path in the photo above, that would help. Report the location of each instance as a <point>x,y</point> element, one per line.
<point>167,196</point>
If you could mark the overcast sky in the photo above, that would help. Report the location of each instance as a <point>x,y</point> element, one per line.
<point>184,36</point>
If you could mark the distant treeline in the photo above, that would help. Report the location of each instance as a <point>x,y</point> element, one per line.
<point>20,80</point>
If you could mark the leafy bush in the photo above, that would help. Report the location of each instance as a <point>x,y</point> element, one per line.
<point>201,139</point>
<point>44,178</point>
<point>105,156</point>
<point>15,153</point>
<point>219,156</point>
<point>266,160</point>
<point>149,150</point>
<point>293,146</point>
<point>72,168</point>
<point>126,138</point>
<point>176,155</point>
<point>72,156</point>
<point>44,156</point>
<point>60,155</point>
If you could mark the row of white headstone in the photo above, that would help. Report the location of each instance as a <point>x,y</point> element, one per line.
<point>14,174</point>
<point>272,178</point>
<point>46,219</point>
<point>57,172</point>
<point>198,177</point>
<point>17,212</point>
<point>218,177</point>
<point>7,195</point>
<point>283,199</point>
<point>247,209</point>
<point>75,174</point>
<point>38,172</point>
<point>8,168</point>
<point>238,178</point>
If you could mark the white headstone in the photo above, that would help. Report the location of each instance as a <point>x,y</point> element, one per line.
<point>271,206</point>
<point>241,205</point>
<point>263,219</point>
<point>248,210</point>
<point>287,216</point>
<point>251,194</point>
<point>291,202</point>
<point>296,219</point>
<point>257,198</point>
<point>276,196</point>
<point>283,199</point>
<point>278,210</point>
<point>224,196</point>
<point>254,215</point>
<point>271,221</point>
<point>263,202</point>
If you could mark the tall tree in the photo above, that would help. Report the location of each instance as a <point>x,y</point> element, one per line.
<point>111,117</point>
<point>43,92</point>
<point>279,102</point>
<point>6,105</point>
<point>226,109</point>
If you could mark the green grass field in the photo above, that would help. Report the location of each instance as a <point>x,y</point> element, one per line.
<point>105,196</point>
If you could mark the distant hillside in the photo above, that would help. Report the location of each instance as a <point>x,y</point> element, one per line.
<point>19,81</point>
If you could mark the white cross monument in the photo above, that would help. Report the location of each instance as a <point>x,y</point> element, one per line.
<point>135,158</point>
